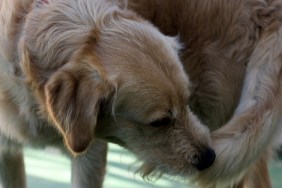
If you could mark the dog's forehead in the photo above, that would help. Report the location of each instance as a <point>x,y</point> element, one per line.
<point>150,99</point>
<point>163,86</point>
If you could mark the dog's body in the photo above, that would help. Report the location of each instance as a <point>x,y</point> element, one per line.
<point>232,54</point>
<point>88,69</point>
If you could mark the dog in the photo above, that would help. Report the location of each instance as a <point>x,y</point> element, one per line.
<point>232,55</point>
<point>76,74</point>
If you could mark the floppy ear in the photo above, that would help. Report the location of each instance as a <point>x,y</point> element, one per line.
<point>73,95</point>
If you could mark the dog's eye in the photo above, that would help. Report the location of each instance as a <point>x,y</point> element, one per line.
<point>161,122</point>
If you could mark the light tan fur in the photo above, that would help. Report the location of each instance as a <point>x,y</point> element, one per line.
<point>94,71</point>
<point>232,54</point>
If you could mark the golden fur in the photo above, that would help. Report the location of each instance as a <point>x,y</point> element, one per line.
<point>93,71</point>
<point>232,54</point>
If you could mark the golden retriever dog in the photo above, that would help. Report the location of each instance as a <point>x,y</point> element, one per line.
<point>233,56</point>
<point>90,71</point>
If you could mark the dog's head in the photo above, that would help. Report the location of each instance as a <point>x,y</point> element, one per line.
<point>120,80</point>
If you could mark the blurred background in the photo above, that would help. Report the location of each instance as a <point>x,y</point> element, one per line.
<point>49,169</point>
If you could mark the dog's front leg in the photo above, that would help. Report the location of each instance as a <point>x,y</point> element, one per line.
<point>257,119</point>
<point>12,173</point>
<point>88,169</point>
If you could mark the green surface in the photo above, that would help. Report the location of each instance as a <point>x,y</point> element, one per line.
<point>49,169</point>
<point>276,174</point>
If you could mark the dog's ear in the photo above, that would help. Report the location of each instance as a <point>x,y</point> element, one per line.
<point>73,95</point>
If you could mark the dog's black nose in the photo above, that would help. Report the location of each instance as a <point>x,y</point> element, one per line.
<point>205,159</point>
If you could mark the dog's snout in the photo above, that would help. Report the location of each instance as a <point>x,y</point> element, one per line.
<point>205,159</point>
